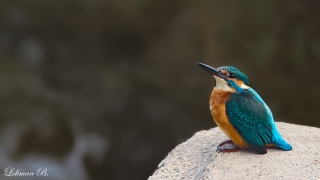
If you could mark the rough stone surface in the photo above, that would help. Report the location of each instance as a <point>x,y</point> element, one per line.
<point>197,158</point>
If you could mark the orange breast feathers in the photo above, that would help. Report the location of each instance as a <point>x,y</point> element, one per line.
<point>217,103</point>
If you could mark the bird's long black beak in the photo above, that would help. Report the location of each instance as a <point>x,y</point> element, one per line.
<point>213,71</point>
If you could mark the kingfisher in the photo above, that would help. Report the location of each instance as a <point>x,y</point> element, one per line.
<point>241,113</point>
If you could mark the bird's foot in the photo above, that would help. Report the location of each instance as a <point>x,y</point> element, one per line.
<point>228,146</point>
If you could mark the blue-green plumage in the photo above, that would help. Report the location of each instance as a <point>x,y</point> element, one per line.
<point>253,120</point>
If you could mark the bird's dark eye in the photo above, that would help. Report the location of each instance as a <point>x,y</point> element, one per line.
<point>232,75</point>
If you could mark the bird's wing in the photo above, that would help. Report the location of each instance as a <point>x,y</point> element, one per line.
<point>251,118</point>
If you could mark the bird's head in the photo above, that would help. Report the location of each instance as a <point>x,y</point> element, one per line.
<point>228,78</point>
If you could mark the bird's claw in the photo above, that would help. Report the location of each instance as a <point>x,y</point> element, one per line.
<point>231,147</point>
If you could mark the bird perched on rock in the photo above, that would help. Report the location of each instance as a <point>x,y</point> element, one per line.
<point>241,113</point>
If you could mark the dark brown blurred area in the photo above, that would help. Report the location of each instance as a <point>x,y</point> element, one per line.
<point>105,89</point>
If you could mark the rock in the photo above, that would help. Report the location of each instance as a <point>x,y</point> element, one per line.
<point>197,158</point>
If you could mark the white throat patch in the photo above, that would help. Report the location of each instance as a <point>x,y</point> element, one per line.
<point>222,85</point>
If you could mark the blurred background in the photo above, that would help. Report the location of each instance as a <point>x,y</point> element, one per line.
<point>98,89</point>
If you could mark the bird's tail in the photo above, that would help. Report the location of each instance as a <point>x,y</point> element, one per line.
<point>281,143</point>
